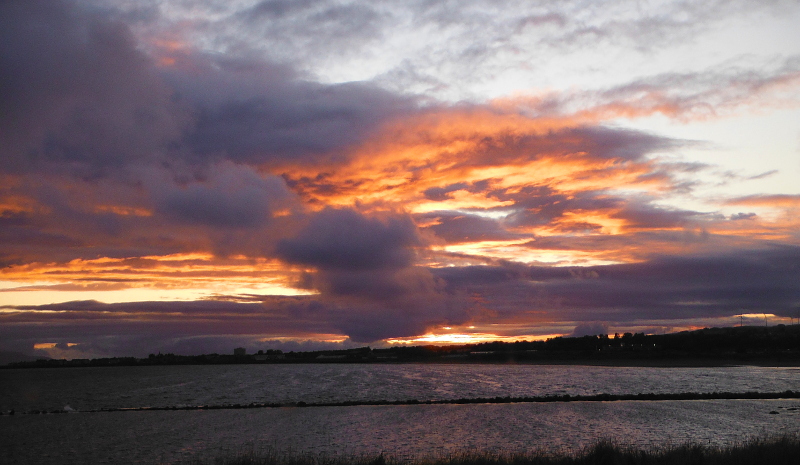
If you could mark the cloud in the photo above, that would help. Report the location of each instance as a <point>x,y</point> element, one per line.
<point>445,192</point>
<point>230,197</point>
<point>429,47</point>
<point>139,328</point>
<point>486,156</point>
<point>743,216</point>
<point>365,267</point>
<point>83,95</point>
<point>764,200</point>
<point>248,110</point>
<point>590,329</point>
<point>80,95</point>
<point>312,29</point>
<point>662,291</point>
<point>703,95</point>
<point>111,142</point>
<point>667,288</point>
<point>455,227</point>
<point>654,217</point>
<point>239,150</point>
<point>343,239</point>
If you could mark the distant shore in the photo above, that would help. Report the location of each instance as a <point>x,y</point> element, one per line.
<point>682,362</point>
<point>630,359</point>
<point>774,346</point>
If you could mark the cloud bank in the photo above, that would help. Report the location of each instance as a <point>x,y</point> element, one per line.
<point>192,185</point>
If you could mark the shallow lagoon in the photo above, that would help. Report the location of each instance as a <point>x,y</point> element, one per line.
<point>404,431</point>
<point>163,386</point>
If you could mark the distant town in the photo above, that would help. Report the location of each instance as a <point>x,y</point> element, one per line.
<point>774,345</point>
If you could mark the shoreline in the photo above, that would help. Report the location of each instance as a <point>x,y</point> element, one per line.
<point>777,346</point>
<point>667,363</point>
<point>605,362</point>
<point>648,397</point>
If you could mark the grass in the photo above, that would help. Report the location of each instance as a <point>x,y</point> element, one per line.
<point>779,450</point>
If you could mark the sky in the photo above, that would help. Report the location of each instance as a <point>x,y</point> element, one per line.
<point>198,175</point>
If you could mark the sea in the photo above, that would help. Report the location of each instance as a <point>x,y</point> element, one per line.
<point>406,432</point>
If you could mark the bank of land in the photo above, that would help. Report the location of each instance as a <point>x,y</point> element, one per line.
<point>748,345</point>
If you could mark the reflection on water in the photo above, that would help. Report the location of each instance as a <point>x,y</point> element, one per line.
<point>404,431</point>
<point>119,387</point>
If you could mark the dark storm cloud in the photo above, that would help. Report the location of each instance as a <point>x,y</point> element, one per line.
<point>302,119</point>
<point>94,129</point>
<point>232,196</point>
<point>346,240</point>
<point>139,328</point>
<point>590,329</point>
<point>76,91</point>
<point>496,275</point>
<point>403,303</point>
<point>668,288</point>
<point>365,267</point>
<point>221,208</point>
<point>364,263</point>
<point>251,111</point>
<point>665,288</point>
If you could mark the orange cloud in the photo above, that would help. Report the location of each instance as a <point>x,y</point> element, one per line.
<point>123,210</point>
<point>484,144</point>
<point>777,201</point>
<point>181,276</point>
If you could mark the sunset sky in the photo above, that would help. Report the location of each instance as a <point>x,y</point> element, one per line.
<point>196,175</point>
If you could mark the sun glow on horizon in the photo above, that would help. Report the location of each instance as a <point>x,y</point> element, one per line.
<point>176,277</point>
<point>464,338</point>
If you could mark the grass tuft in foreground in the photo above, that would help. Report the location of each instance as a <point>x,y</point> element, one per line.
<point>781,450</point>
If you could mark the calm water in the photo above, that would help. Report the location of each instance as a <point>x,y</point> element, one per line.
<point>406,431</point>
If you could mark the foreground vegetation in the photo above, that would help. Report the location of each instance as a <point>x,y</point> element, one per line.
<point>774,451</point>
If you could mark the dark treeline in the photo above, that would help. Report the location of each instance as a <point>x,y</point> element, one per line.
<point>749,344</point>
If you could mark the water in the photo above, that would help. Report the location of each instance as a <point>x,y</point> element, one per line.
<point>164,386</point>
<point>403,431</point>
